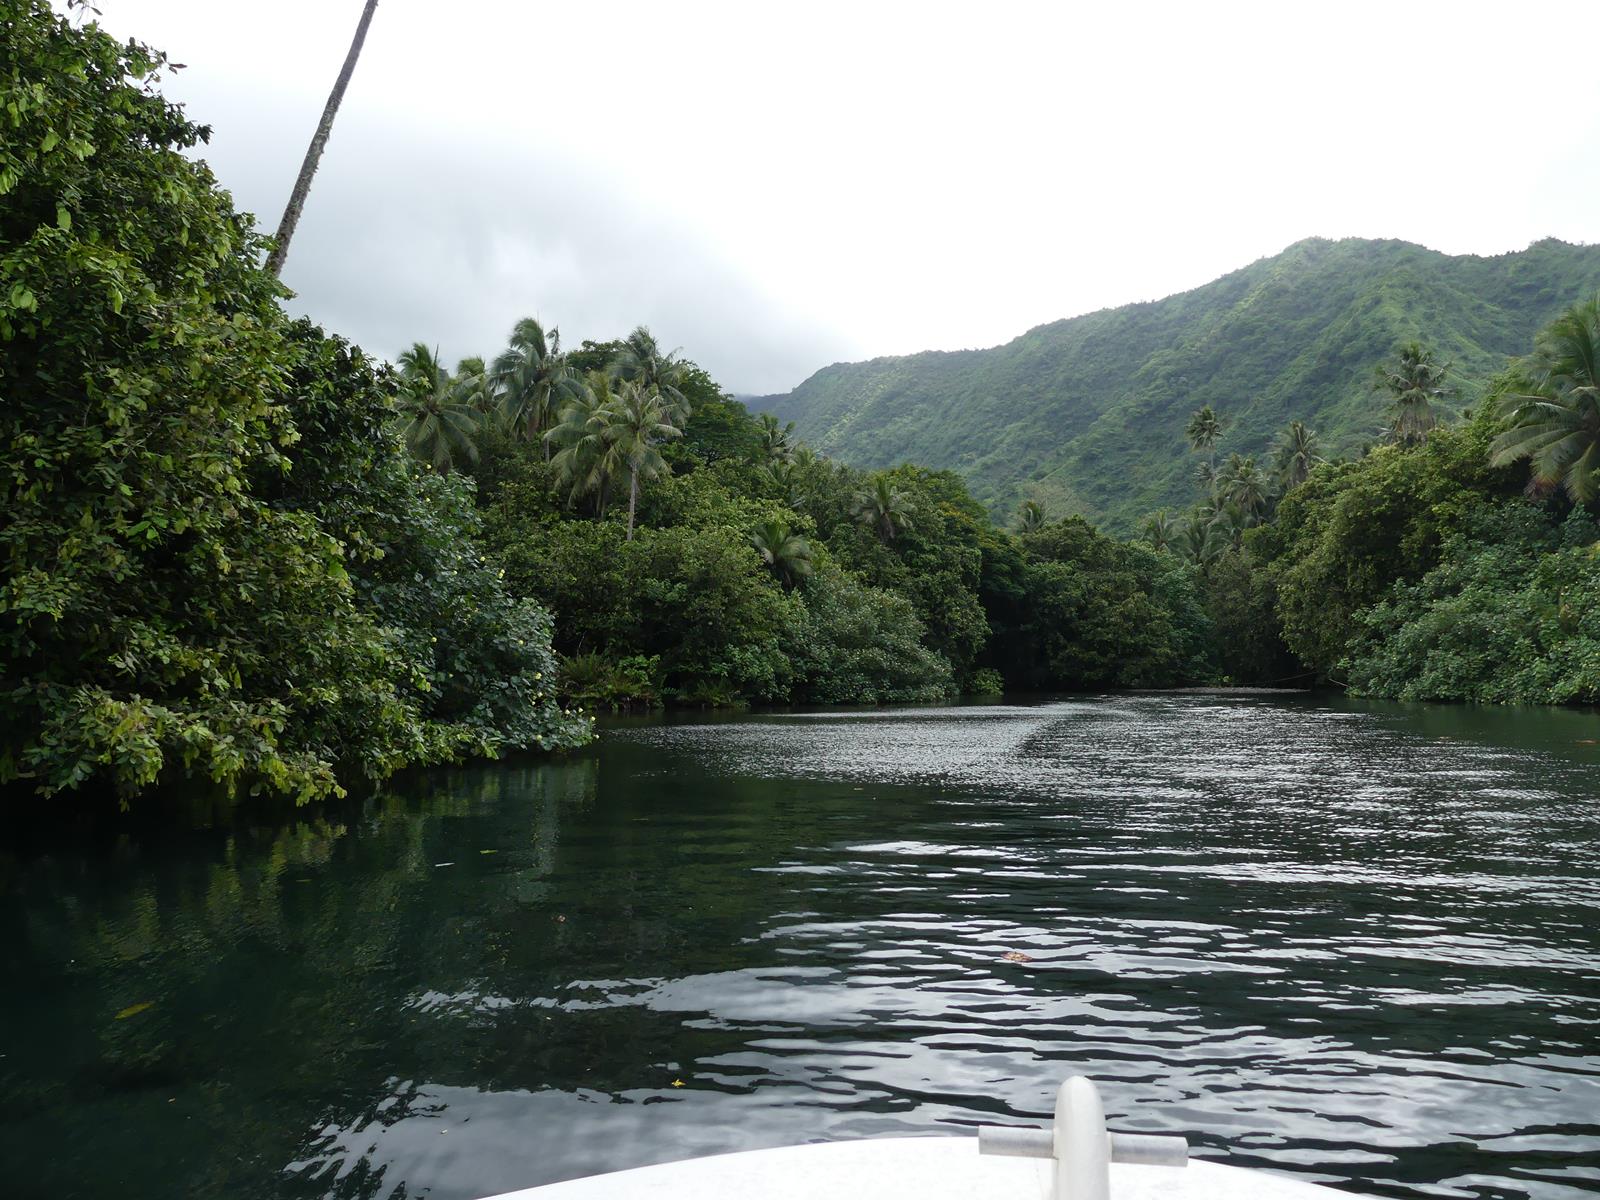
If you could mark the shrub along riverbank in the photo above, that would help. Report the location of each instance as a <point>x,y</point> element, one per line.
<point>240,551</point>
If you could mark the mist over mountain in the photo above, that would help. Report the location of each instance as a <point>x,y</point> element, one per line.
<point>1088,414</point>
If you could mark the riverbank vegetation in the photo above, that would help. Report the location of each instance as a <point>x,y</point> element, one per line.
<point>240,550</point>
<point>220,563</point>
<point>1456,559</point>
<point>694,554</point>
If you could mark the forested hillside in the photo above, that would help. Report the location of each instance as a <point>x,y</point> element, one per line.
<point>1088,414</point>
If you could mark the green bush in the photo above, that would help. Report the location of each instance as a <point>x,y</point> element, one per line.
<point>596,682</point>
<point>1352,530</point>
<point>1097,613</point>
<point>701,599</point>
<point>697,600</point>
<point>986,681</point>
<point>479,659</point>
<point>1511,614</point>
<point>861,645</point>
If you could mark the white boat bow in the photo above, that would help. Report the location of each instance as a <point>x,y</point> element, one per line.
<point>1076,1160</point>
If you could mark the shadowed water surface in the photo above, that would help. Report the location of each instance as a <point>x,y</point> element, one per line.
<point>1359,944</point>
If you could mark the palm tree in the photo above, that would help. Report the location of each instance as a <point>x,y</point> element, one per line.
<point>637,422</point>
<point>1198,541</point>
<point>1203,430</point>
<point>642,361</point>
<point>1243,485</point>
<point>1228,524</point>
<point>785,553</point>
<point>1416,383</point>
<point>1162,531</point>
<point>1555,419</point>
<point>785,481</point>
<point>471,386</point>
<point>1205,474</point>
<point>884,509</point>
<point>776,441</point>
<point>532,379</point>
<point>1297,454</point>
<point>1030,517</point>
<point>319,139</point>
<point>581,461</point>
<point>435,411</point>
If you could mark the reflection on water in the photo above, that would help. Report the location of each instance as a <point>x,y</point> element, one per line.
<point>1356,943</point>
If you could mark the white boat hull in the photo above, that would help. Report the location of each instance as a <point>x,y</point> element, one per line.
<point>909,1168</point>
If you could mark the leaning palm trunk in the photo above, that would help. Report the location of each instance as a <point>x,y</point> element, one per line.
<point>633,497</point>
<point>308,167</point>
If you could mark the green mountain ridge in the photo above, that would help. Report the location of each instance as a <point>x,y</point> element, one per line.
<point>1088,413</point>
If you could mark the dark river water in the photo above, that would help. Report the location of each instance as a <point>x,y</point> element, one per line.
<point>1356,943</point>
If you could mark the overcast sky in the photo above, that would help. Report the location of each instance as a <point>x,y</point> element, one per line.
<point>774,187</point>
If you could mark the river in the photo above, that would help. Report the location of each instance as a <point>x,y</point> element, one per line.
<point>1357,943</point>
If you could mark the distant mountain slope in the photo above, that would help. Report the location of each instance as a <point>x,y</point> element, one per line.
<point>1088,413</point>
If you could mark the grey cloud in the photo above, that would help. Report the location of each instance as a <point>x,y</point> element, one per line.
<point>409,239</point>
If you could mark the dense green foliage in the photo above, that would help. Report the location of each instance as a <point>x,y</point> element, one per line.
<point>1091,414</point>
<point>1453,562</point>
<point>760,572</point>
<point>747,569</point>
<point>1091,612</point>
<point>191,584</point>
<point>1511,613</point>
<point>859,645</point>
<point>480,657</point>
<point>1355,529</point>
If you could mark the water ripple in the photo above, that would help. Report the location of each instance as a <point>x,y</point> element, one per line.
<point>1359,944</point>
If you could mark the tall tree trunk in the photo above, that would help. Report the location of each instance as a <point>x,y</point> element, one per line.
<point>633,499</point>
<point>308,168</point>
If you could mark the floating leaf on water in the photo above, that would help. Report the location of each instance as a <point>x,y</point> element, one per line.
<point>448,864</point>
<point>1016,956</point>
<point>677,1083</point>
<point>134,1010</point>
<point>488,852</point>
